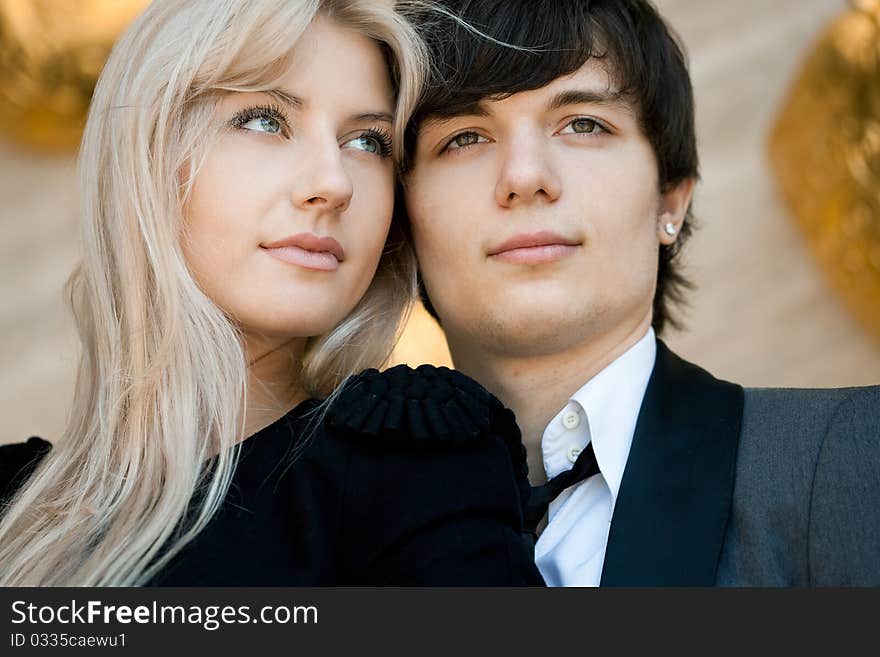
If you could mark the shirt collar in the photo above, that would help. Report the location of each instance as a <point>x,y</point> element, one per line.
<point>610,403</point>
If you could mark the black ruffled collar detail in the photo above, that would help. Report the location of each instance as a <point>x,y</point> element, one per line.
<point>426,405</point>
<point>430,403</point>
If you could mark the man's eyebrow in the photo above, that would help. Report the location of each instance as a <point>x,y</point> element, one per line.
<point>608,97</point>
<point>476,108</point>
<point>588,96</point>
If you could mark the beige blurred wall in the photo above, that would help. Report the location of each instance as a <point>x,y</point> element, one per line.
<point>763,314</point>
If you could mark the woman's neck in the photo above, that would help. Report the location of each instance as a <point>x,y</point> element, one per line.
<point>274,385</point>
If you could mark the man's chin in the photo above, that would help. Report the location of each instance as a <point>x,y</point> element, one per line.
<point>526,334</point>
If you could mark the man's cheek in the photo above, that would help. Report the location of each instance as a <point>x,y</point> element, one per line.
<point>435,244</point>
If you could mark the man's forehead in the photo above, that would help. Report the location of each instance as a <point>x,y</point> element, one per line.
<point>591,83</point>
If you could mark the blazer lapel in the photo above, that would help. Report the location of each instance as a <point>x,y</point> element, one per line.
<point>675,497</point>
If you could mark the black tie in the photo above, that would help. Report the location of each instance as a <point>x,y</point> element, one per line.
<point>541,496</point>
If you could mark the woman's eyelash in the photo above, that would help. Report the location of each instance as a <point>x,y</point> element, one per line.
<point>243,117</point>
<point>382,137</point>
<point>248,114</point>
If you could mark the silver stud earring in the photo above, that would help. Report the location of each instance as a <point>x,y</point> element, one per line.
<point>669,229</point>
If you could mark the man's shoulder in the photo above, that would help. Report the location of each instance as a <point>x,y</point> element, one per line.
<point>787,432</point>
<point>798,421</point>
<point>784,411</point>
<point>792,404</point>
<point>807,483</point>
<point>807,395</point>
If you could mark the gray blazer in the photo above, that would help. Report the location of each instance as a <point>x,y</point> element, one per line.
<point>757,487</point>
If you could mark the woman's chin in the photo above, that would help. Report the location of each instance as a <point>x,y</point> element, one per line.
<point>301,326</point>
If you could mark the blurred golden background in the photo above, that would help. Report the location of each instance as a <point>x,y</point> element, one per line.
<point>787,256</point>
<point>825,150</point>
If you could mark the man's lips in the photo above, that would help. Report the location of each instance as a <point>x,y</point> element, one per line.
<point>534,248</point>
<point>307,250</point>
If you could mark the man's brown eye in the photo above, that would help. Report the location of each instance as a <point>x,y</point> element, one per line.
<point>584,125</point>
<point>466,139</point>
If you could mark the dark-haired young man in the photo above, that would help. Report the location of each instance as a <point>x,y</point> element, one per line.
<point>548,189</point>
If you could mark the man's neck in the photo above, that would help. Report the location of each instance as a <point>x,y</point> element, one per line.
<point>537,387</point>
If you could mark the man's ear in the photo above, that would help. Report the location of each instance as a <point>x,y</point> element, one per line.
<point>674,204</point>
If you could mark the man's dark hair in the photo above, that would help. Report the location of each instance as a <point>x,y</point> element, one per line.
<point>554,38</point>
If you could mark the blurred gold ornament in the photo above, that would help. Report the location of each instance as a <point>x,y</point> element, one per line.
<point>825,150</point>
<point>51,52</point>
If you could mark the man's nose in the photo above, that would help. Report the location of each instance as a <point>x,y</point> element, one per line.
<point>527,173</point>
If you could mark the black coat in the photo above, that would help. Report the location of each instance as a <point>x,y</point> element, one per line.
<point>412,478</point>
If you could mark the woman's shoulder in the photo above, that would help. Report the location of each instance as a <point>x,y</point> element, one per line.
<point>425,406</point>
<point>405,416</point>
<point>434,481</point>
<point>17,462</point>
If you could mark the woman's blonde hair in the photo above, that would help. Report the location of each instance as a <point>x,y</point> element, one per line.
<point>162,376</point>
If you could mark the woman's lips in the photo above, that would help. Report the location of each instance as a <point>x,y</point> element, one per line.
<point>534,248</point>
<point>308,251</point>
<point>318,260</point>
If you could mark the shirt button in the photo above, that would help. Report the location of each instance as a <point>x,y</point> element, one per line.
<point>571,420</point>
<point>573,454</point>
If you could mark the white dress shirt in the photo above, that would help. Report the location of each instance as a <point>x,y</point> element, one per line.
<point>571,549</point>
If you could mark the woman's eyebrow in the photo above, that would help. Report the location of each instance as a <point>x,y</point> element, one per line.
<point>294,102</point>
<point>297,103</point>
<point>384,117</point>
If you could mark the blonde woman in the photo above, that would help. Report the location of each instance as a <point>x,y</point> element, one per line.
<point>237,178</point>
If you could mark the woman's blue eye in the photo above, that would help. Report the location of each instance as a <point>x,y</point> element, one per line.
<point>261,118</point>
<point>368,144</point>
<point>264,124</point>
<point>374,141</point>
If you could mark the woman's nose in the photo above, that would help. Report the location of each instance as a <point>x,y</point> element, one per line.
<point>323,184</point>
